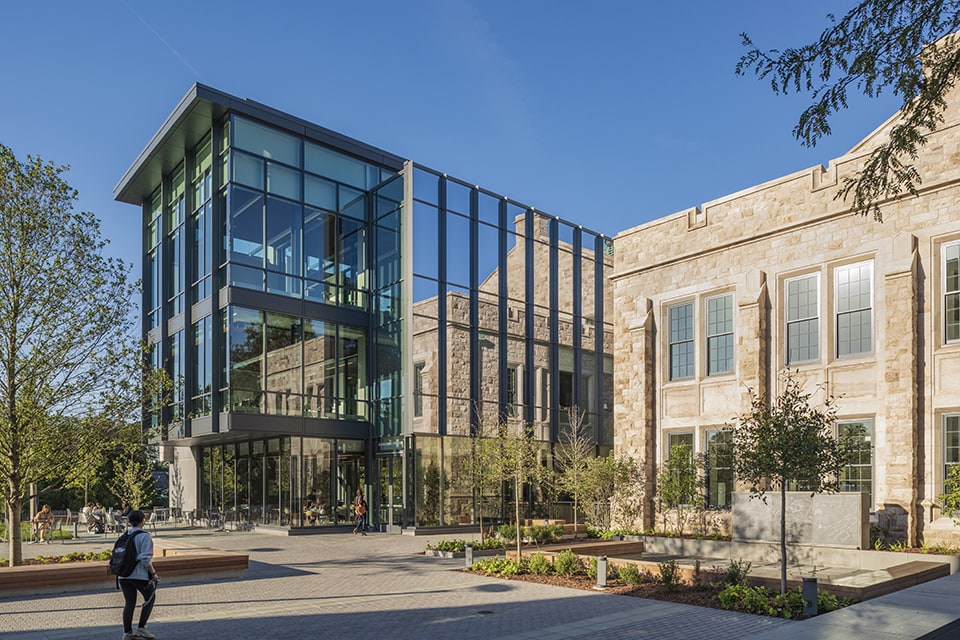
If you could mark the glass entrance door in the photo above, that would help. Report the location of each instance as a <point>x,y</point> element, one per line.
<point>390,490</point>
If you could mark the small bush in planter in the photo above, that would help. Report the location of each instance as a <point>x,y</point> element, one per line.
<point>539,564</point>
<point>629,574</point>
<point>566,563</point>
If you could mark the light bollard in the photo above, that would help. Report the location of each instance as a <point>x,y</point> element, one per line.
<point>468,555</point>
<point>601,572</point>
<point>809,595</point>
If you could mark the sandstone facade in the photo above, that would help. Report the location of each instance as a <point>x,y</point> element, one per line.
<point>905,385</point>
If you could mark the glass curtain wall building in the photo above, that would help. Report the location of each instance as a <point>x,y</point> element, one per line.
<point>336,317</point>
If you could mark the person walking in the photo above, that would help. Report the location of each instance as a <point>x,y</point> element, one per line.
<point>360,508</point>
<point>143,580</point>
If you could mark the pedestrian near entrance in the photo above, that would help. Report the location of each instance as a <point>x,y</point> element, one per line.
<point>360,508</point>
<point>142,580</point>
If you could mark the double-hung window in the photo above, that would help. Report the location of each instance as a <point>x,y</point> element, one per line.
<point>951,292</point>
<point>720,334</point>
<point>719,467</point>
<point>803,318</point>
<point>854,295</point>
<point>858,474</point>
<point>681,341</point>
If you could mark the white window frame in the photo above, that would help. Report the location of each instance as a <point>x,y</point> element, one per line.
<point>788,322</point>
<point>837,313</point>
<point>952,295</point>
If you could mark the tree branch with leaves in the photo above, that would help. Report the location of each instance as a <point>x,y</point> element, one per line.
<point>877,46</point>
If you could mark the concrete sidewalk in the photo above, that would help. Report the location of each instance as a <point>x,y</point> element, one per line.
<point>378,586</point>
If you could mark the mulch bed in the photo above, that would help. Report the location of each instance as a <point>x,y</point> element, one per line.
<point>683,594</point>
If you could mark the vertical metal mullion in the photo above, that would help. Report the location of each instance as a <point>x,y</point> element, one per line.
<point>189,232</point>
<point>553,360</point>
<point>503,293</point>
<point>530,325</point>
<point>217,226</point>
<point>475,364</point>
<point>598,346</point>
<point>442,306</point>
<point>577,295</point>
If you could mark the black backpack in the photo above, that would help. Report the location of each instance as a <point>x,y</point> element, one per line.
<point>123,560</point>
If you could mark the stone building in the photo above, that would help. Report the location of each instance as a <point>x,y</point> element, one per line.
<point>715,301</point>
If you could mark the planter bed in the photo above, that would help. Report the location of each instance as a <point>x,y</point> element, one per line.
<point>174,562</point>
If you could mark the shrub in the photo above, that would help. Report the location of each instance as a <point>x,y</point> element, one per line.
<point>458,546</point>
<point>507,532</point>
<point>539,564</point>
<point>669,574</point>
<point>738,597</point>
<point>592,570</point>
<point>788,605</point>
<point>566,563</point>
<point>827,602</point>
<point>544,534</point>
<point>497,567</point>
<point>629,574</point>
<point>736,572</point>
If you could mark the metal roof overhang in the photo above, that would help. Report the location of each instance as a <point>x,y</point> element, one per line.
<point>192,119</point>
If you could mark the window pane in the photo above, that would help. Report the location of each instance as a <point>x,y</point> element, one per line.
<point>283,181</point>
<point>283,236</point>
<point>246,227</point>
<point>803,324</point>
<point>248,170</point>
<point>320,193</point>
<point>266,142</point>
<point>336,166</point>
<point>720,335</point>
<point>854,312</point>
<point>681,341</point>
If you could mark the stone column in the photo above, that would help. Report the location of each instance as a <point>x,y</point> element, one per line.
<point>899,401</point>
<point>753,336</point>
<point>634,400</point>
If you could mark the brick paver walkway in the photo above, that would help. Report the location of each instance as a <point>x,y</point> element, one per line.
<point>375,586</point>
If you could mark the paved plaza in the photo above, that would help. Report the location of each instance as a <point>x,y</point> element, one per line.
<point>352,586</point>
<point>379,587</point>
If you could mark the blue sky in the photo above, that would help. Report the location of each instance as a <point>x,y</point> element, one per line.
<point>608,114</point>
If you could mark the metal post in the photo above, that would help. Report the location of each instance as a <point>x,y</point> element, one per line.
<point>468,554</point>
<point>601,572</point>
<point>809,593</point>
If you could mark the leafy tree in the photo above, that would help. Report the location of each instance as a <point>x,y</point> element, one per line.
<point>573,453</point>
<point>69,369</point>
<point>789,441</point>
<point>679,485</point>
<point>611,483</point>
<point>519,465</point>
<point>878,45</point>
<point>132,481</point>
<point>484,465</point>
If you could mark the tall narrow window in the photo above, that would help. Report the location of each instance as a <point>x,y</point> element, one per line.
<point>511,391</point>
<point>681,341</point>
<point>951,292</point>
<point>858,474</point>
<point>153,278</point>
<point>176,212</point>
<point>719,467</point>
<point>418,389</point>
<point>854,309</point>
<point>720,335</point>
<point>803,319</point>
<point>951,443</point>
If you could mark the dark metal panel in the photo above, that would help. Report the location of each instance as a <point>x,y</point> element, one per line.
<point>577,295</point>
<point>503,293</point>
<point>598,345</point>
<point>476,370</point>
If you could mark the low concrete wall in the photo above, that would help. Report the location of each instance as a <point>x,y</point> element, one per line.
<point>769,553</point>
<point>835,519</point>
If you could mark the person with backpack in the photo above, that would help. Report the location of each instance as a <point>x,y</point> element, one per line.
<point>132,562</point>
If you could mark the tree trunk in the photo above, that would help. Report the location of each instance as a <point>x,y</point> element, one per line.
<point>518,486</point>
<point>13,533</point>
<point>783,537</point>
<point>574,518</point>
